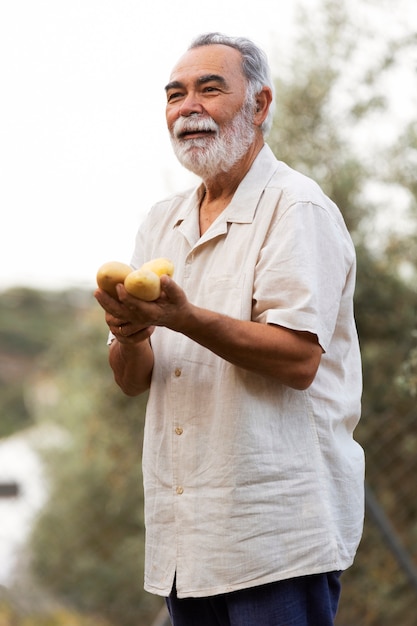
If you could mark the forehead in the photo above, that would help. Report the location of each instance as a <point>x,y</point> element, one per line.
<point>213,59</point>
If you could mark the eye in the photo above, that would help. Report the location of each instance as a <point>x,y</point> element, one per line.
<point>175,95</point>
<point>210,89</point>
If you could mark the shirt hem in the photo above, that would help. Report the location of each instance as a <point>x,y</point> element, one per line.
<point>248,584</point>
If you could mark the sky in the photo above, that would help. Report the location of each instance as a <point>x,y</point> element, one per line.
<point>84,150</point>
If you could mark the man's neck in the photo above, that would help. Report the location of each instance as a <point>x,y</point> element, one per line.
<point>224,184</point>
<point>220,190</point>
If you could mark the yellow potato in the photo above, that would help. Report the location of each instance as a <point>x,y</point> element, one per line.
<point>143,284</point>
<point>110,274</point>
<point>160,266</point>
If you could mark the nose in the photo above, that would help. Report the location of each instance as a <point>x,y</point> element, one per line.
<point>190,106</point>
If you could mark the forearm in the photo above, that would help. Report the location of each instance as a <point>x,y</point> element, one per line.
<point>288,356</point>
<point>132,365</point>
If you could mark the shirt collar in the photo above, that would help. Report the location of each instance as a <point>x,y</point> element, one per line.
<point>245,200</point>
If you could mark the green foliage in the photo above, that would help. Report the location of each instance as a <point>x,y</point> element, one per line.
<point>30,318</point>
<point>10,616</point>
<point>30,321</point>
<point>13,409</point>
<point>407,378</point>
<point>310,129</point>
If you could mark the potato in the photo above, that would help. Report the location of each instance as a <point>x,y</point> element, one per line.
<point>160,266</point>
<point>110,274</point>
<point>143,284</point>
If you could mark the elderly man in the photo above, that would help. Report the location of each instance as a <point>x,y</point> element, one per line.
<point>253,481</point>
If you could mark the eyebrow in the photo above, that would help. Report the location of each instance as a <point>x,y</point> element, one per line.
<point>202,80</point>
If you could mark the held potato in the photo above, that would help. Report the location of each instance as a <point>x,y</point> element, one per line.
<point>160,266</point>
<point>110,274</point>
<point>143,284</point>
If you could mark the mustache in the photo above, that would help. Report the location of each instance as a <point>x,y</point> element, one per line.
<point>193,124</point>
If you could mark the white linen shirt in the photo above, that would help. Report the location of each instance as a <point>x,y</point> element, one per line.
<point>246,480</point>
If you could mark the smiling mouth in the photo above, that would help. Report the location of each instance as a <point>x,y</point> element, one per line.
<point>195,134</point>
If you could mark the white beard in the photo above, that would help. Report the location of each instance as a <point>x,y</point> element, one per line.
<point>208,156</point>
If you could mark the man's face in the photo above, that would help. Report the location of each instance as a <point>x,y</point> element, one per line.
<point>208,116</point>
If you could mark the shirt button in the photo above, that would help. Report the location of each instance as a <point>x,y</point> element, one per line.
<point>179,430</point>
<point>180,490</point>
<point>177,372</point>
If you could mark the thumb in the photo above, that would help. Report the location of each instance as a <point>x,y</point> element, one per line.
<point>167,284</point>
<point>170,288</point>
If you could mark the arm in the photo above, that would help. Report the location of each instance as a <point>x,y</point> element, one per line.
<point>130,353</point>
<point>132,364</point>
<point>291,357</point>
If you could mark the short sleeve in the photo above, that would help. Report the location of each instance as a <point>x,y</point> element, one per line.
<point>302,270</point>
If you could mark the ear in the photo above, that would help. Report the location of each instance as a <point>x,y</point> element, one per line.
<point>263,102</point>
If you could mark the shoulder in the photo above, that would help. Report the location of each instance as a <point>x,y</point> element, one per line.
<point>292,186</point>
<point>295,186</point>
<point>301,194</point>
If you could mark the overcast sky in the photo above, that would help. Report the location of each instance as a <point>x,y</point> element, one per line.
<point>84,151</point>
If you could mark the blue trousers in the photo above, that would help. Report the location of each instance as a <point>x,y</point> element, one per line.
<point>305,601</point>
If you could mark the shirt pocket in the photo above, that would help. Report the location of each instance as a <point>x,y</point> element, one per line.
<point>224,293</point>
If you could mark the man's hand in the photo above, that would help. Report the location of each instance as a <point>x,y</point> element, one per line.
<point>119,319</point>
<point>132,320</point>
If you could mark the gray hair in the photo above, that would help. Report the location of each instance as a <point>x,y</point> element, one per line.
<point>254,65</point>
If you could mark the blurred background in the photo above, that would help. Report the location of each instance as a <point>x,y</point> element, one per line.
<point>83,154</point>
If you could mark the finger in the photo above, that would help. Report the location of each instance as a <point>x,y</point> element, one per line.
<point>135,337</point>
<point>105,300</point>
<point>115,310</point>
<point>130,302</point>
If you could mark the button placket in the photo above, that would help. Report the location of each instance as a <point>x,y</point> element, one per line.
<point>178,432</point>
<point>178,489</point>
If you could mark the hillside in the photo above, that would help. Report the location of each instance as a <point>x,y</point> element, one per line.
<point>30,322</point>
